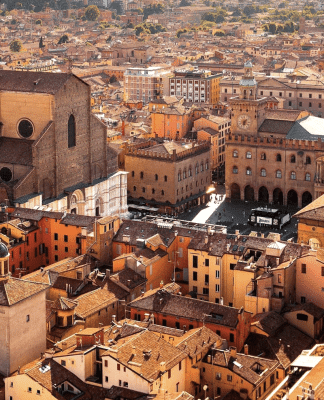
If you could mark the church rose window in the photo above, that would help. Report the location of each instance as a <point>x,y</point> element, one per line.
<point>25,128</point>
<point>5,174</point>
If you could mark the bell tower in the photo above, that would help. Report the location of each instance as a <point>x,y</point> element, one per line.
<point>248,110</point>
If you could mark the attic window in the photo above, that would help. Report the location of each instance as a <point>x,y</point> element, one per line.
<point>256,367</point>
<point>219,317</point>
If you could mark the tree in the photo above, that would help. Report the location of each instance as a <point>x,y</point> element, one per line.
<point>63,39</point>
<point>185,3</point>
<point>115,5</point>
<point>16,46</point>
<point>92,13</point>
<point>41,44</point>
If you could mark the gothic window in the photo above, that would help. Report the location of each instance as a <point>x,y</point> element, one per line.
<point>184,174</point>
<point>197,168</point>
<point>248,154</point>
<point>248,171</point>
<point>307,176</point>
<point>278,173</point>
<point>207,164</point>
<point>263,156</point>
<point>308,160</point>
<point>190,171</point>
<point>293,159</point>
<point>179,176</point>
<point>293,175</point>
<point>278,157</point>
<point>235,169</point>
<point>263,172</point>
<point>71,132</point>
<point>235,154</point>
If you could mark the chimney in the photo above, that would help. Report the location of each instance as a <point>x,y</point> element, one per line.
<point>162,366</point>
<point>113,318</point>
<point>228,246</point>
<point>209,359</point>
<point>221,301</point>
<point>291,258</point>
<point>262,235</point>
<point>237,232</point>
<point>64,346</point>
<point>128,282</point>
<point>152,318</point>
<point>133,350</point>
<point>233,351</point>
<point>161,284</point>
<point>107,273</point>
<point>206,239</point>
<point>146,316</point>
<point>246,349</point>
<point>277,260</point>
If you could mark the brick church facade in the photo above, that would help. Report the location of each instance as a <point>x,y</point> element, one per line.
<point>53,150</point>
<point>272,156</point>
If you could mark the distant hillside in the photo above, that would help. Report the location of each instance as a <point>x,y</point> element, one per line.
<point>39,5</point>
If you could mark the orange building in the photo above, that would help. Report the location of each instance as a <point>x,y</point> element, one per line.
<point>176,311</point>
<point>38,238</point>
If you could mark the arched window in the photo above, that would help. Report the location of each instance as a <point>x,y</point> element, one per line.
<point>308,160</point>
<point>235,170</point>
<point>278,157</point>
<point>263,172</point>
<point>307,176</point>
<point>190,171</point>
<point>235,154</point>
<point>293,159</point>
<point>184,174</point>
<point>197,168</point>
<point>278,173</point>
<point>179,175</point>
<point>202,167</point>
<point>263,156</point>
<point>142,174</point>
<point>248,171</point>
<point>71,132</point>
<point>207,164</point>
<point>248,154</point>
<point>156,177</point>
<point>293,175</point>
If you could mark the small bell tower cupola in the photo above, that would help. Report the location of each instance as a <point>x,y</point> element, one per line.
<point>4,261</point>
<point>248,84</point>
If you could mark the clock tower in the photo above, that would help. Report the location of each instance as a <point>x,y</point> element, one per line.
<point>248,110</point>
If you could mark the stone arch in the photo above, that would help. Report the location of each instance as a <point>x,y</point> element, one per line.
<point>292,198</point>
<point>47,188</point>
<point>77,203</point>
<point>306,199</point>
<point>263,194</point>
<point>99,207</point>
<point>71,131</point>
<point>235,192</point>
<point>249,193</point>
<point>278,196</point>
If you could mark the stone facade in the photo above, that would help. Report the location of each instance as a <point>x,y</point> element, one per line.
<point>172,176</point>
<point>263,162</point>
<point>54,148</point>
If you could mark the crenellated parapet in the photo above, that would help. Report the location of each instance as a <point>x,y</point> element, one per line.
<point>291,144</point>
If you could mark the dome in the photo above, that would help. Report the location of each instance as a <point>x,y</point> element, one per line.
<point>248,64</point>
<point>3,251</point>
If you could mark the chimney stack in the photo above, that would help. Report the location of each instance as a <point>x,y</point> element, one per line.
<point>107,273</point>
<point>113,318</point>
<point>246,349</point>
<point>233,351</point>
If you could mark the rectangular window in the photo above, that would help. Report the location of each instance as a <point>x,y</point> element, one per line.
<point>289,103</point>
<point>206,278</point>
<point>164,322</point>
<point>66,249</point>
<point>29,390</point>
<point>322,271</point>
<point>38,392</point>
<point>66,239</point>
<point>205,291</point>
<point>195,261</point>
<point>279,278</point>
<point>229,378</point>
<point>272,379</point>
<point>55,236</point>
<point>106,363</point>
<point>35,237</point>
<point>126,384</point>
<point>217,273</point>
<point>207,262</point>
<point>303,299</point>
<point>194,276</point>
<point>63,363</point>
<point>231,337</point>
<point>300,104</point>
<point>169,373</point>
<point>118,367</point>
<point>180,366</point>
<point>303,268</point>
<point>232,267</point>
<point>106,378</point>
<point>217,288</point>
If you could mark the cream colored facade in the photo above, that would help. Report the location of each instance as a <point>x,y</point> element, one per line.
<point>22,332</point>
